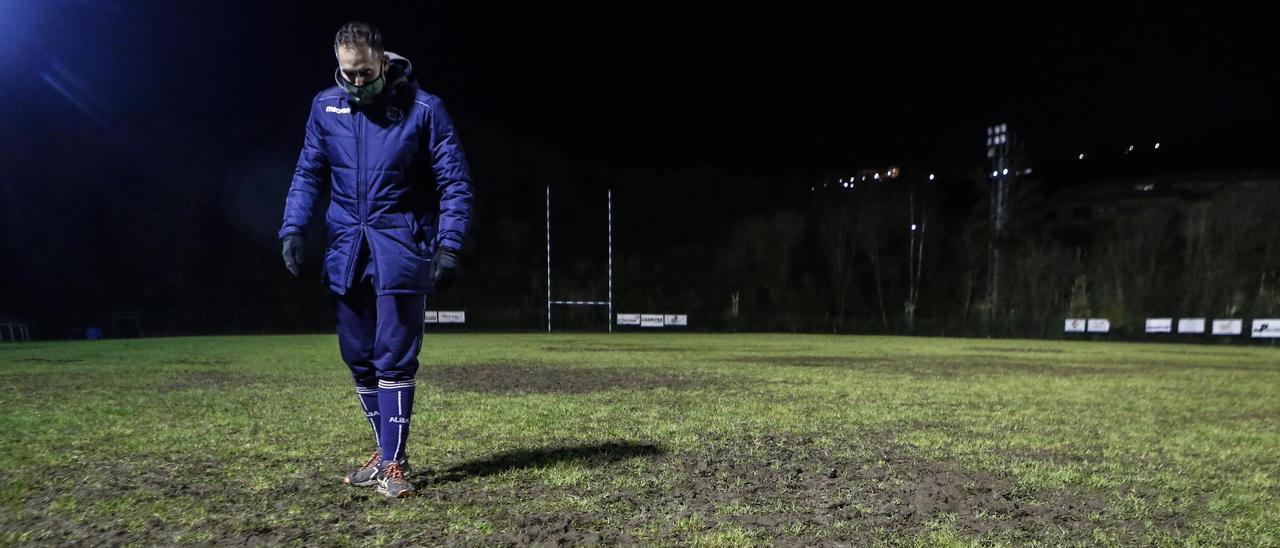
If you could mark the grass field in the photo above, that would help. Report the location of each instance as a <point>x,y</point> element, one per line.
<point>648,438</point>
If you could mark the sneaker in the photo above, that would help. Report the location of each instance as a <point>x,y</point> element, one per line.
<point>367,474</point>
<point>391,481</point>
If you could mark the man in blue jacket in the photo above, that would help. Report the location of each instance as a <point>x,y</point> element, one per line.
<point>400,202</point>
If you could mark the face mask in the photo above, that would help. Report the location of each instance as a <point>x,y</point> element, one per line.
<point>366,93</point>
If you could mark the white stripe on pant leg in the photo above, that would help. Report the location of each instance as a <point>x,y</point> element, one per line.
<point>399,439</point>
<point>399,407</point>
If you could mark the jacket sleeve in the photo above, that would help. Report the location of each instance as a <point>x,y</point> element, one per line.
<point>310,178</point>
<point>453,178</point>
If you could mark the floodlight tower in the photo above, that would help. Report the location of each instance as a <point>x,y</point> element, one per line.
<point>999,146</point>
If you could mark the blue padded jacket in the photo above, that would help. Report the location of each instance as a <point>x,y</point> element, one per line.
<point>397,178</point>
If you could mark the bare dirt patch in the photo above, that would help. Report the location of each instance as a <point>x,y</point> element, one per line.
<point>786,489</point>
<point>782,488</point>
<point>925,368</point>
<point>519,378</point>
<point>1015,350</point>
<point>202,360</point>
<point>619,348</point>
<point>49,360</point>
<point>207,380</point>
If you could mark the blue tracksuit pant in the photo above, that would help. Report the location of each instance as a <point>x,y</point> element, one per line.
<point>380,337</point>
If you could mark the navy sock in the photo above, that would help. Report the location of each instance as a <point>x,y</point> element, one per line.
<point>369,403</point>
<point>395,401</point>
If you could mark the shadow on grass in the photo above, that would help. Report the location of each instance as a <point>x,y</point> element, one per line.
<point>597,454</point>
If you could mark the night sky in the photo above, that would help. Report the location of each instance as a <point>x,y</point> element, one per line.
<point>155,111</point>
<point>738,85</point>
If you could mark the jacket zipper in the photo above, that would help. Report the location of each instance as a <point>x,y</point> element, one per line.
<point>360,202</point>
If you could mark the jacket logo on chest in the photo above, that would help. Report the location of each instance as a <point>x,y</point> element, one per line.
<point>336,110</point>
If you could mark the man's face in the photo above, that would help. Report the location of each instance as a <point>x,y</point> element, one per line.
<point>359,65</point>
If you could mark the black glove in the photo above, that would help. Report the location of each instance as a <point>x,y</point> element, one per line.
<point>444,268</point>
<point>293,253</point>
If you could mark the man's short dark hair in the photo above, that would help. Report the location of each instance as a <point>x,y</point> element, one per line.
<point>358,34</point>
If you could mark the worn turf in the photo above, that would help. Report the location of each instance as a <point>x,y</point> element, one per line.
<point>648,438</point>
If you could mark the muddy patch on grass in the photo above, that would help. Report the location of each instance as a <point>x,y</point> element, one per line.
<point>787,489</point>
<point>817,361</point>
<point>1226,353</point>
<point>57,384</point>
<point>790,490</point>
<point>519,378</point>
<point>928,368</point>
<point>202,360</point>
<point>1064,456</point>
<point>781,488</point>
<point>1234,367</point>
<point>49,360</point>
<point>1015,350</point>
<point>619,348</point>
<point>207,380</point>
<point>975,365</point>
<point>882,486</point>
<point>98,503</point>
<point>80,502</point>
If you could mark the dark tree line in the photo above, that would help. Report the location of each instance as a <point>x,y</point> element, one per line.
<point>188,247</point>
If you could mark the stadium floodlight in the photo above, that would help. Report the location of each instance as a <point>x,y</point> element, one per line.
<point>1157,146</point>
<point>1130,148</point>
<point>913,227</point>
<point>930,176</point>
<point>995,173</point>
<point>877,176</point>
<point>1081,155</point>
<point>1005,172</point>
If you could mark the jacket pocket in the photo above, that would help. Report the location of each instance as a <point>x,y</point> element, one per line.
<point>415,231</point>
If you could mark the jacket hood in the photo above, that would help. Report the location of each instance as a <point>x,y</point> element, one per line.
<point>399,71</point>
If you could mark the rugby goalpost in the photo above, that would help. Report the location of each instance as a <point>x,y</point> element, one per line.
<point>608,302</point>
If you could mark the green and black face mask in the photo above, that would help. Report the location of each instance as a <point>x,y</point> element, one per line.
<point>365,94</point>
